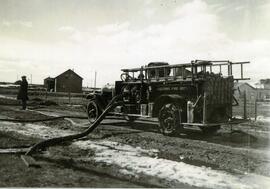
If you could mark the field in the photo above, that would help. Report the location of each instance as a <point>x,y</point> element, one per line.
<point>122,154</point>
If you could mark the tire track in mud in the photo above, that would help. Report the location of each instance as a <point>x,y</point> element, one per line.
<point>137,162</point>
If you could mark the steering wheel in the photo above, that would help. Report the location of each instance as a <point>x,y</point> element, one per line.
<point>124,76</point>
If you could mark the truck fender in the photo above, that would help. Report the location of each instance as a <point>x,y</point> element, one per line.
<point>90,96</point>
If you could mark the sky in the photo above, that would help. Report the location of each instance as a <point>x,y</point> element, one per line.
<point>42,38</point>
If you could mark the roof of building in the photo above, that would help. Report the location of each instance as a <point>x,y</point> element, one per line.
<point>49,78</point>
<point>69,70</point>
<point>236,85</point>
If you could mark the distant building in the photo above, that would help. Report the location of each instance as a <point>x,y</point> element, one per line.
<point>69,81</point>
<point>245,106</point>
<point>265,83</point>
<point>264,90</point>
<point>249,90</point>
<point>49,84</point>
<point>263,94</point>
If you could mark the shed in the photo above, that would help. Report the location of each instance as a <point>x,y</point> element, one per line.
<point>49,84</point>
<point>68,81</point>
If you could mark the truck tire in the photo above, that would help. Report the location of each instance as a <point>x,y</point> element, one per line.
<point>93,111</point>
<point>169,119</point>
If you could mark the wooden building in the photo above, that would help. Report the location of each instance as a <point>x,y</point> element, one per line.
<point>49,84</point>
<point>245,95</point>
<point>249,90</point>
<point>68,81</point>
<point>264,90</point>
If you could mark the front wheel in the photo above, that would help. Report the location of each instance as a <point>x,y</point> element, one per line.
<point>93,111</point>
<point>169,119</point>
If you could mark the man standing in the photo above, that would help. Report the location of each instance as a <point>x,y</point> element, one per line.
<point>22,95</point>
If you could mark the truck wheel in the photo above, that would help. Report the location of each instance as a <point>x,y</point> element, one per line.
<point>169,119</point>
<point>92,111</point>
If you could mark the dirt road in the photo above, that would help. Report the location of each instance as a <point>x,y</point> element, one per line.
<point>121,154</point>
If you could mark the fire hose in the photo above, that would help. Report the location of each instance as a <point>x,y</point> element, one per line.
<point>54,141</point>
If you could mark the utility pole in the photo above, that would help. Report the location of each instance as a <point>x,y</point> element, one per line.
<point>95,81</point>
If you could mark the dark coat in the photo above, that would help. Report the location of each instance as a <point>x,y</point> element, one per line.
<point>23,94</point>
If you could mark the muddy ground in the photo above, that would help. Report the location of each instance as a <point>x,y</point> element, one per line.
<point>122,154</point>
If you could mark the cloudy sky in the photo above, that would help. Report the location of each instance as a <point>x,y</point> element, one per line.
<point>46,37</point>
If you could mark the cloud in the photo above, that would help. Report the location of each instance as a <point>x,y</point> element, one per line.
<point>68,29</point>
<point>27,24</point>
<point>112,28</point>
<point>73,34</point>
<point>193,32</point>
<point>6,23</point>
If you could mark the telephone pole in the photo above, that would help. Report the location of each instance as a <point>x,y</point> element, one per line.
<point>95,81</point>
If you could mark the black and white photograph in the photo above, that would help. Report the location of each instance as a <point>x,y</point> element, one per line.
<point>135,94</point>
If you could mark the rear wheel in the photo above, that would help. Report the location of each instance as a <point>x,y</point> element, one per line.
<point>92,111</point>
<point>169,119</point>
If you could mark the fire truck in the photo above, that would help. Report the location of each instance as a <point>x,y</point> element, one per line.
<point>199,93</point>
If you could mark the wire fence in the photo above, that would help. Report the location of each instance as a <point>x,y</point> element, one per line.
<point>251,108</point>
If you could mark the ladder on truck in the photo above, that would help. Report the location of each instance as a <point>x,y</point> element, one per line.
<point>189,71</point>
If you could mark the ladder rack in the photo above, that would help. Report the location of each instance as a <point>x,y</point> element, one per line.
<point>186,71</point>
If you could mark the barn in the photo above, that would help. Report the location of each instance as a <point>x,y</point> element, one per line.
<point>68,81</point>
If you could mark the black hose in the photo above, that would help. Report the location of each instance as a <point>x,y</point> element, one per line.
<point>57,140</point>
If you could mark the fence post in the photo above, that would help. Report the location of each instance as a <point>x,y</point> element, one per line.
<point>69,97</point>
<point>245,105</point>
<point>256,109</point>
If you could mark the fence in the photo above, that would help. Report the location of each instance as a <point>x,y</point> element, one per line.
<point>251,108</point>
<point>58,97</point>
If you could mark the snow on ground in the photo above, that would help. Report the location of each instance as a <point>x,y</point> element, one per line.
<point>80,124</point>
<point>47,113</point>
<point>264,119</point>
<point>137,161</point>
<point>8,85</point>
<point>33,130</point>
<point>7,97</point>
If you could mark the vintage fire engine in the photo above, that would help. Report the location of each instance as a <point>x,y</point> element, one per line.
<point>181,95</point>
